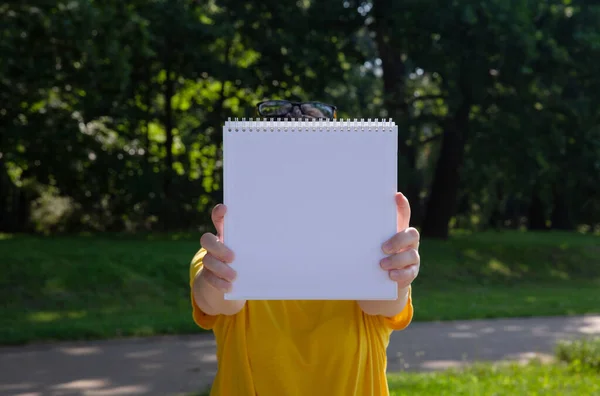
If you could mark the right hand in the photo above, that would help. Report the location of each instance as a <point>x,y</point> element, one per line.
<point>216,271</point>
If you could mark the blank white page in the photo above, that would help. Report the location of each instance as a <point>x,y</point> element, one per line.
<point>309,205</point>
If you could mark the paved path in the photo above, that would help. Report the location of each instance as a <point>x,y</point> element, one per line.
<point>178,365</point>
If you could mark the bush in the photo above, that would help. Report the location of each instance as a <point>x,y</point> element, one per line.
<point>584,353</point>
<point>52,212</point>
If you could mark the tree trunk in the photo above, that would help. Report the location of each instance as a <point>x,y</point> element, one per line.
<point>496,218</point>
<point>14,203</point>
<point>218,117</point>
<point>394,74</point>
<point>6,205</point>
<point>444,189</point>
<point>147,119</point>
<point>536,216</point>
<point>561,213</point>
<point>168,172</point>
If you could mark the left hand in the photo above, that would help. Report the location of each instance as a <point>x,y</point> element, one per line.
<point>403,261</point>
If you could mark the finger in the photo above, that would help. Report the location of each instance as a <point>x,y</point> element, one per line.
<point>218,219</point>
<point>403,211</point>
<point>219,268</point>
<point>215,247</point>
<point>408,238</point>
<point>216,282</point>
<point>405,276</point>
<point>401,260</point>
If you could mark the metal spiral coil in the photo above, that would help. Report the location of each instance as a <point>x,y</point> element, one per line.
<point>254,125</point>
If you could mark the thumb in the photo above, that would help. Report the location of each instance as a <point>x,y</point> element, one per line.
<point>403,211</point>
<point>218,219</point>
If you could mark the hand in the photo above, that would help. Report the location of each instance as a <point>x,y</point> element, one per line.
<point>217,271</point>
<point>403,261</point>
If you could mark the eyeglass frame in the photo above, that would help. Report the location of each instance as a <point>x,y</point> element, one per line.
<point>299,104</point>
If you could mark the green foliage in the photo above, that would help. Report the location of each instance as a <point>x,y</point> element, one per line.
<point>114,108</point>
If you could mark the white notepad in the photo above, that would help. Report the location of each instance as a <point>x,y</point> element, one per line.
<point>309,205</point>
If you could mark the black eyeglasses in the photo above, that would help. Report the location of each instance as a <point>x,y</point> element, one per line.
<point>285,108</point>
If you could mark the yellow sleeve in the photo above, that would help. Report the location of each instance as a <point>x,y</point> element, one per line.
<point>402,319</point>
<point>200,317</point>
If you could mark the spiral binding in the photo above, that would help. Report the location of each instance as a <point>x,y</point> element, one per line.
<point>254,125</point>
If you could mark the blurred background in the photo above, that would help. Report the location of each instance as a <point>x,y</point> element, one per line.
<point>111,112</point>
<point>111,117</point>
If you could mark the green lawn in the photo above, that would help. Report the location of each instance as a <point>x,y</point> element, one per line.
<point>495,380</point>
<point>107,286</point>
<point>574,372</point>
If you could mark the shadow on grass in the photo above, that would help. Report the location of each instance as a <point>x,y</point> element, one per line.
<point>71,287</point>
<point>510,258</point>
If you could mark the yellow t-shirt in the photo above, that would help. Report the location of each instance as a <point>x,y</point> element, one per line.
<point>300,348</point>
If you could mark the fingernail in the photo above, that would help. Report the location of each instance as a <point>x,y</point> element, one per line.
<point>232,276</point>
<point>387,247</point>
<point>385,263</point>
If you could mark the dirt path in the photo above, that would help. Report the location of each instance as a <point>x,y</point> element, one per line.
<point>178,365</point>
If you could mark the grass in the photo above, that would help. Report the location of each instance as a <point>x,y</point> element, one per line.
<point>508,379</point>
<point>495,380</point>
<point>580,353</point>
<point>83,287</point>
<point>575,372</point>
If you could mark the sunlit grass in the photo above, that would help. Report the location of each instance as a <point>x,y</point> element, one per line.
<point>4,236</point>
<point>41,317</point>
<point>575,371</point>
<point>48,316</point>
<point>506,379</point>
<point>115,285</point>
<point>487,379</point>
<point>496,266</point>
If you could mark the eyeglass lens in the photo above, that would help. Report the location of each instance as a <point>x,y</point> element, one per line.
<point>275,108</point>
<point>317,110</point>
<point>282,108</point>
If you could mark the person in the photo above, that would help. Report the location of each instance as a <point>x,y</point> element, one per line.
<point>281,348</point>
